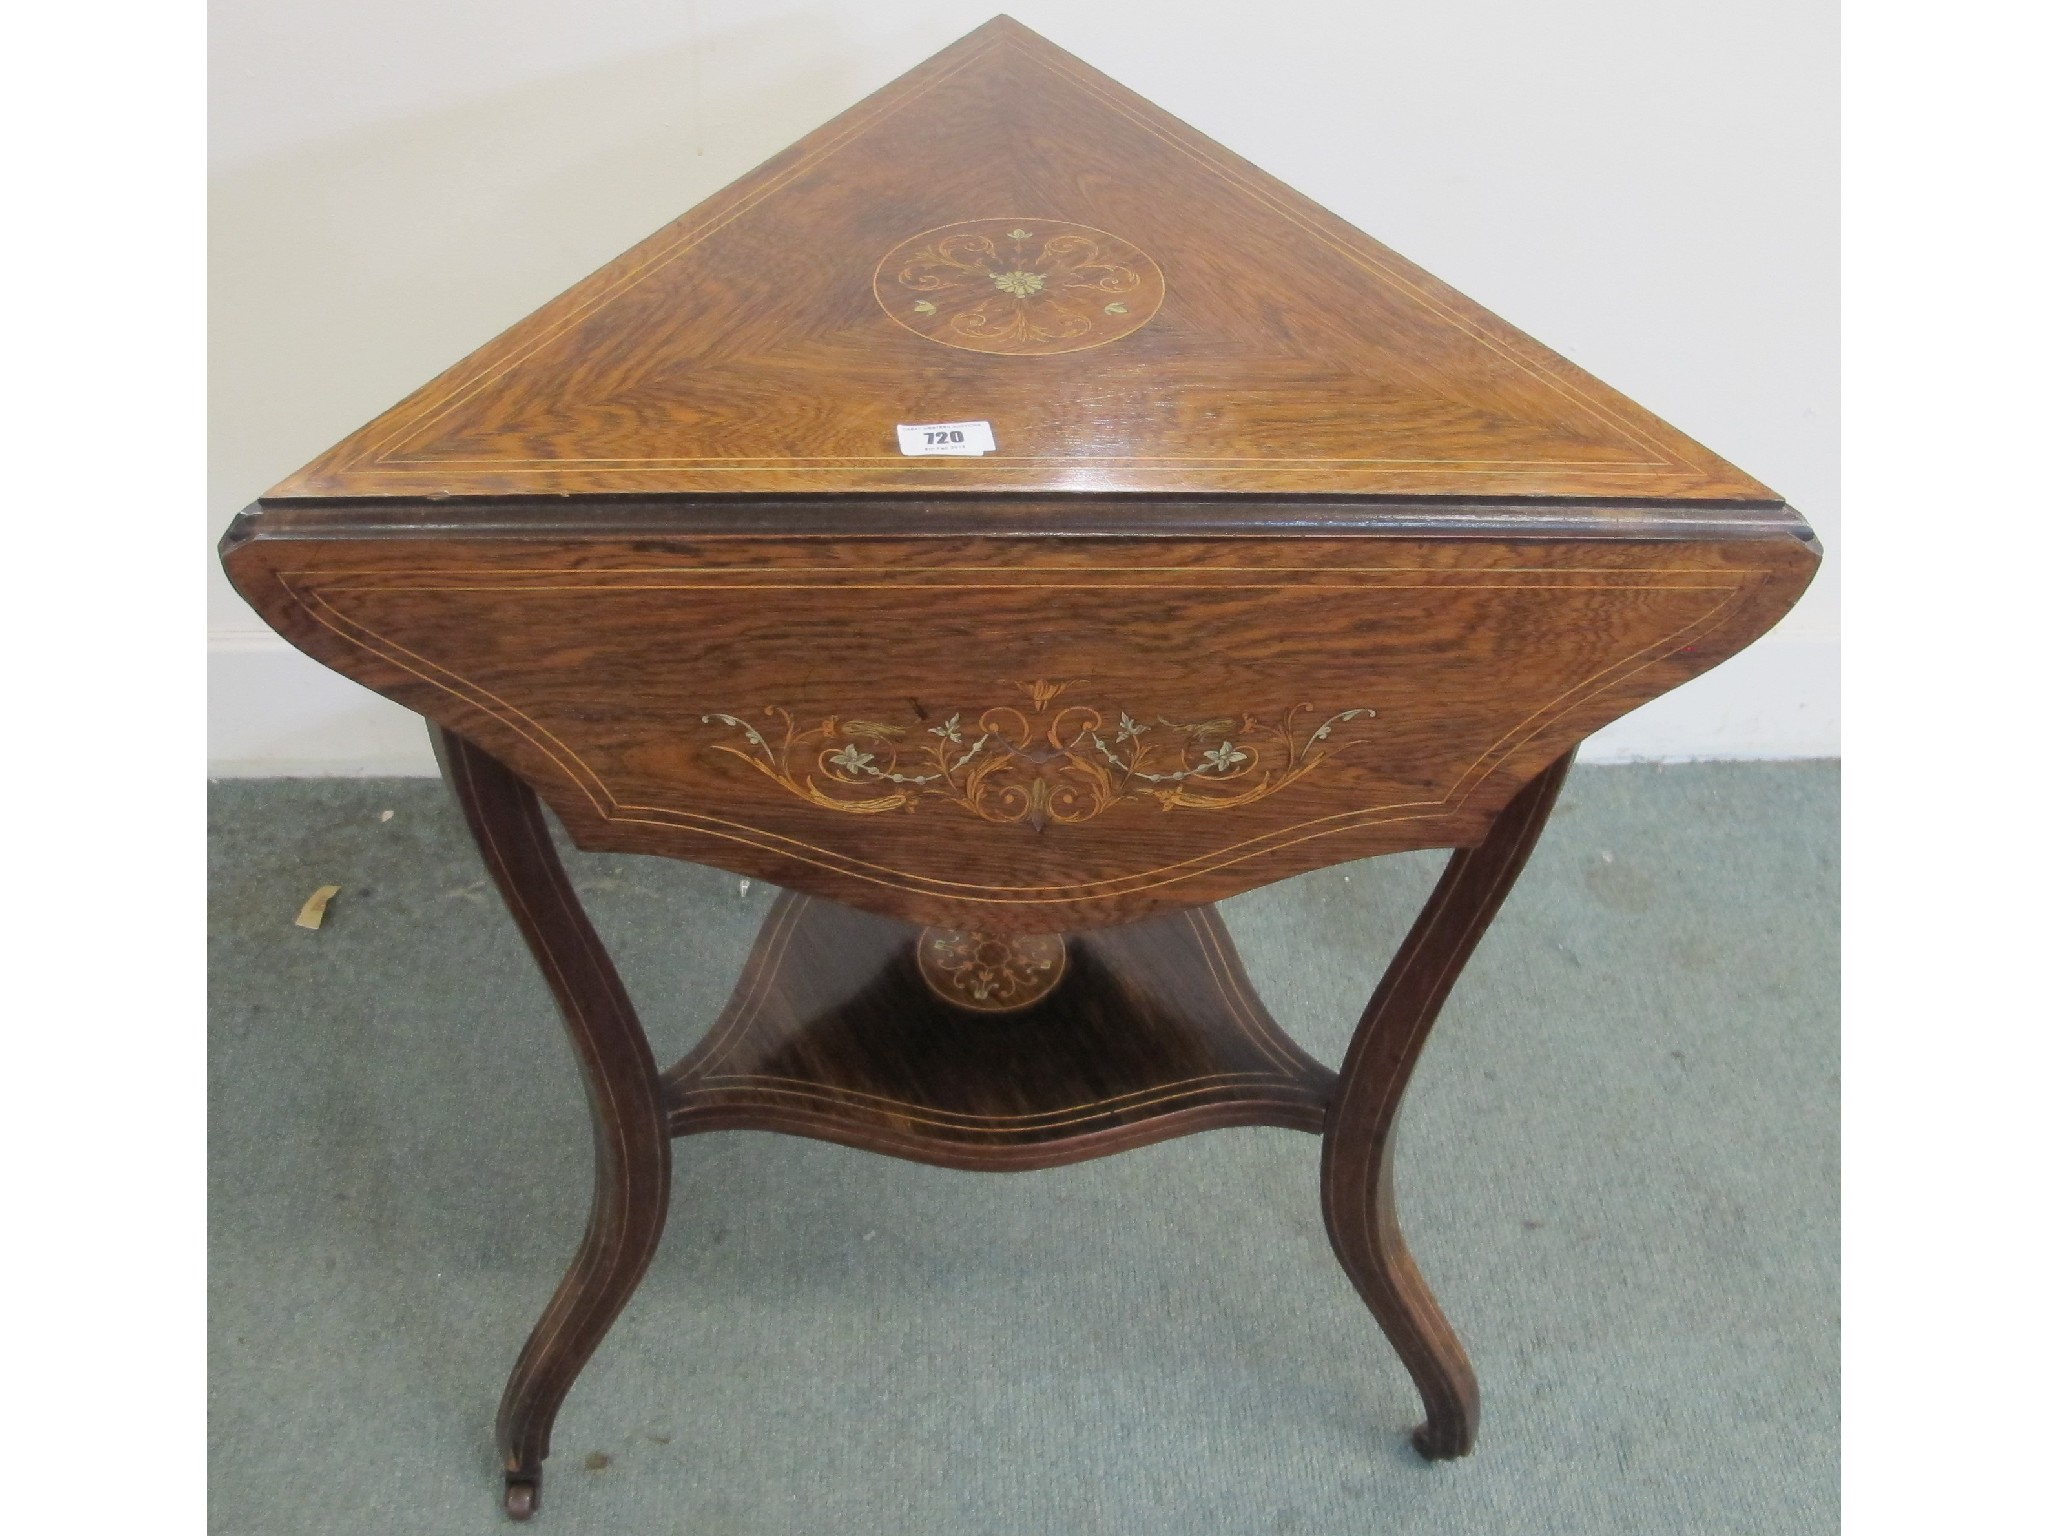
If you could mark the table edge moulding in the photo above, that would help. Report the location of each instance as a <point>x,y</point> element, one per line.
<point>1285,554</point>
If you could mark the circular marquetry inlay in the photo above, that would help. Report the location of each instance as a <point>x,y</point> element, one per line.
<point>1025,287</point>
<point>989,972</point>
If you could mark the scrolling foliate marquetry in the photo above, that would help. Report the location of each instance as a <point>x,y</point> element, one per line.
<point>1021,287</point>
<point>1054,764</point>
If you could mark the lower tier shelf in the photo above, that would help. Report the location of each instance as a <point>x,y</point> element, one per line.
<point>836,1030</point>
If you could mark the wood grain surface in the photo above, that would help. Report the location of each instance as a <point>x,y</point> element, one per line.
<point>1358,1140</point>
<point>1022,734</point>
<point>629,1204</point>
<point>1153,1031</point>
<point>1005,234</point>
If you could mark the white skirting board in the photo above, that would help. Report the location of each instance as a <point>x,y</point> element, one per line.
<point>274,713</point>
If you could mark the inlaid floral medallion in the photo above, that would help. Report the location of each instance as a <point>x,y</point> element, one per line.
<point>1025,287</point>
<point>1054,764</point>
<point>990,972</point>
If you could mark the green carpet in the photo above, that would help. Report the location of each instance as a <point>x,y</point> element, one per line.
<point>1618,1170</point>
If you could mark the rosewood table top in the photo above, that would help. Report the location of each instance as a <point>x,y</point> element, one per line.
<point>1010,522</point>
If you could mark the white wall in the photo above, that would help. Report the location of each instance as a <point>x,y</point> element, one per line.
<point>1647,187</point>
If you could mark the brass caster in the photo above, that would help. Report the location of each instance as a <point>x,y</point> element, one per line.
<point>522,1496</point>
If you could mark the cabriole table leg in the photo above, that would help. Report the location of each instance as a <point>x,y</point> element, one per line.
<point>621,1082</point>
<point>1358,1143</point>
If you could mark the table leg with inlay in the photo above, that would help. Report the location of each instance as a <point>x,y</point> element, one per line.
<point>627,1114</point>
<point>1358,1144</point>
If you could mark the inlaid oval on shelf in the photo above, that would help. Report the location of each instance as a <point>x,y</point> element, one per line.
<point>990,972</point>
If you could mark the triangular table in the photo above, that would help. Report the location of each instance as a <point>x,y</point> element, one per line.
<point>1277,553</point>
